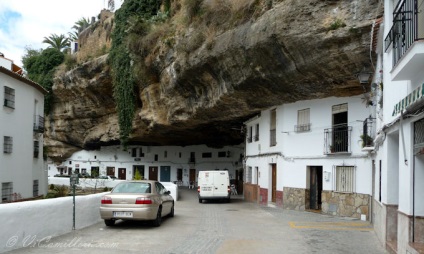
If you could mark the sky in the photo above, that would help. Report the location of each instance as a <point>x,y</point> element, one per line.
<point>25,23</point>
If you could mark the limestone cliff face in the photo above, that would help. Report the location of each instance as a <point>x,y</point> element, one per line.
<point>297,50</point>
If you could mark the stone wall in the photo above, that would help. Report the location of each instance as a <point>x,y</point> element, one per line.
<point>95,40</point>
<point>251,192</point>
<point>345,204</point>
<point>295,198</point>
<point>279,197</point>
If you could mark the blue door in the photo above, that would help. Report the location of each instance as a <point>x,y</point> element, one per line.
<point>165,173</point>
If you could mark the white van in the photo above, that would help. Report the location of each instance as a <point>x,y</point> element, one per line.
<point>213,185</point>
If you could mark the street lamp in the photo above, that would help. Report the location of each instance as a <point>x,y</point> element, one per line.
<point>363,76</point>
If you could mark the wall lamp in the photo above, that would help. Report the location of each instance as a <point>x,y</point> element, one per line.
<point>364,76</point>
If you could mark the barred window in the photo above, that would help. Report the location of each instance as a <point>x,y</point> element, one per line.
<point>345,179</point>
<point>273,127</point>
<point>9,97</point>
<point>7,144</point>
<point>256,138</point>
<point>303,120</point>
<point>36,148</point>
<point>6,192</point>
<point>35,188</point>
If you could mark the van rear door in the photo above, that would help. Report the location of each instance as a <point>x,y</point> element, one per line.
<point>220,182</point>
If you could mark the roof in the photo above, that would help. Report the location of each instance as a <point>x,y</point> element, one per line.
<point>23,79</point>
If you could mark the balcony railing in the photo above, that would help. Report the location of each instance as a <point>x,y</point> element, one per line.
<point>249,139</point>
<point>38,123</point>
<point>302,127</point>
<point>408,27</point>
<point>256,138</point>
<point>337,139</point>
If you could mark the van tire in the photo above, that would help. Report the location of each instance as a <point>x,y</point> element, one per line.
<point>200,201</point>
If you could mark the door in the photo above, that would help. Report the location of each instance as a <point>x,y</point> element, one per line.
<point>192,177</point>
<point>153,173</point>
<point>315,181</point>
<point>95,171</point>
<point>274,182</point>
<point>165,173</point>
<point>340,128</point>
<point>179,174</point>
<point>122,173</point>
<point>110,171</point>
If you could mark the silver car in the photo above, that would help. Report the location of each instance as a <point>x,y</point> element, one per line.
<point>137,200</point>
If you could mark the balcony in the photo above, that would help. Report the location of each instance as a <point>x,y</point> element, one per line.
<point>38,124</point>
<point>407,29</point>
<point>337,139</point>
<point>302,127</point>
<point>249,139</point>
<point>256,138</point>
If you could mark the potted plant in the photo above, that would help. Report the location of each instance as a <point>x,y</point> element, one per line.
<point>366,140</point>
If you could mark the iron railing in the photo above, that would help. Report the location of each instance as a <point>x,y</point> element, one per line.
<point>249,139</point>
<point>38,123</point>
<point>337,139</point>
<point>302,127</point>
<point>408,27</point>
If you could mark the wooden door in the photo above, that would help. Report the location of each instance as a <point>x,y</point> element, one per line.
<point>122,173</point>
<point>153,173</point>
<point>179,174</point>
<point>274,182</point>
<point>110,171</point>
<point>192,177</point>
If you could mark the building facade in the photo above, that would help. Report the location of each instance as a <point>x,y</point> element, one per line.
<point>22,169</point>
<point>162,163</point>
<point>311,155</point>
<point>399,171</point>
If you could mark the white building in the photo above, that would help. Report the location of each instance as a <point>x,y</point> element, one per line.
<point>399,174</point>
<point>309,155</point>
<point>163,163</point>
<point>22,169</point>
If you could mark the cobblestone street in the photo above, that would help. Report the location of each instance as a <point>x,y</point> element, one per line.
<point>214,227</point>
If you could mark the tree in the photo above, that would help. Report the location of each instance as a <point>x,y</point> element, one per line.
<point>59,42</point>
<point>81,24</point>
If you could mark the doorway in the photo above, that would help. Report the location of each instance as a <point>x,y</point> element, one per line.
<point>340,142</point>
<point>274,183</point>
<point>140,170</point>
<point>122,173</point>
<point>153,173</point>
<point>315,183</point>
<point>192,177</point>
<point>110,171</point>
<point>165,173</point>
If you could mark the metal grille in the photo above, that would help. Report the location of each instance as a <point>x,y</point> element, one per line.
<point>35,188</point>
<point>249,175</point>
<point>419,137</point>
<point>345,180</point>
<point>6,192</point>
<point>7,144</point>
<point>9,97</point>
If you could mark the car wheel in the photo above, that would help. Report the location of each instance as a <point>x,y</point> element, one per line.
<point>109,223</point>
<point>158,219</point>
<point>171,214</point>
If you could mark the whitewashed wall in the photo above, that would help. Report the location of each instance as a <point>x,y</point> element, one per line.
<point>20,167</point>
<point>114,156</point>
<point>25,223</point>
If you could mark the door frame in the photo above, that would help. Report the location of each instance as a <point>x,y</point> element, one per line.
<point>273,182</point>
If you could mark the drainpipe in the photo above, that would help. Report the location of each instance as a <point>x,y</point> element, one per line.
<point>413,199</point>
<point>403,139</point>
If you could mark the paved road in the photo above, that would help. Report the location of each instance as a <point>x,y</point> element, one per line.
<point>236,227</point>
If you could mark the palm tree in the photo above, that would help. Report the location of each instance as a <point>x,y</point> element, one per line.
<point>73,36</point>
<point>59,42</point>
<point>81,24</point>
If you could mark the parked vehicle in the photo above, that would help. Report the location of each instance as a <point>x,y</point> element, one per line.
<point>137,200</point>
<point>213,185</point>
<point>107,177</point>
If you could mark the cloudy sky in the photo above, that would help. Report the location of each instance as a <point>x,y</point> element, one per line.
<point>25,23</point>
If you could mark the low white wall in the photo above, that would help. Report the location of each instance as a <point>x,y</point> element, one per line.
<point>32,222</point>
<point>85,182</point>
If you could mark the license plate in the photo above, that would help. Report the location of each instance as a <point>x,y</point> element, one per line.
<point>123,214</point>
<point>206,188</point>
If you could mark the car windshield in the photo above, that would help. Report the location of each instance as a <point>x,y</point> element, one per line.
<point>132,187</point>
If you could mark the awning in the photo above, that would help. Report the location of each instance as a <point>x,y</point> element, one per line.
<point>409,100</point>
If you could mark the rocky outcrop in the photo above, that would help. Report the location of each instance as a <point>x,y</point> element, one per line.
<point>297,50</point>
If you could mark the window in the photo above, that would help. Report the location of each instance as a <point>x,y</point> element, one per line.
<point>273,127</point>
<point>7,144</point>
<point>222,154</point>
<point>156,157</point>
<point>134,152</point>
<point>6,192</point>
<point>165,154</point>
<point>256,138</point>
<point>345,179</point>
<point>36,148</point>
<point>140,152</point>
<point>257,175</point>
<point>303,123</point>
<point>249,175</point>
<point>192,158</point>
<point>206,155</point>
<point>9,97</point>
<point>250,134</point>
<point>35,188</point>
